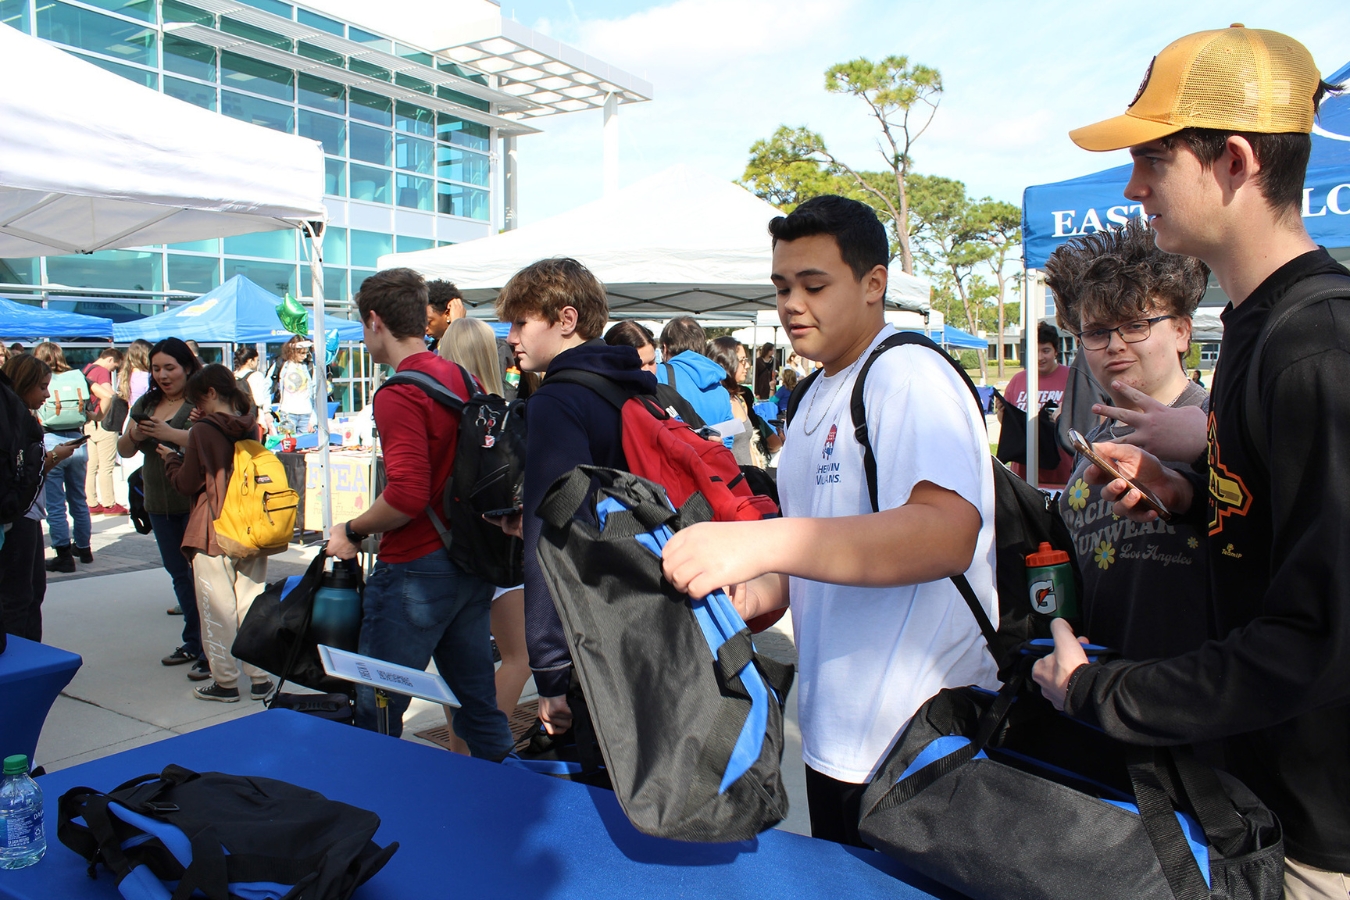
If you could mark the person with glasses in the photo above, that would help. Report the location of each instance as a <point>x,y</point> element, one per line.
<point>1130,305</point>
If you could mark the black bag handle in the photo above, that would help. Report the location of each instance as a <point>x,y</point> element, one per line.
<point>1306,293</point>
<point>567,495</point>
<point>316,568</point>
<point>1155,794</point>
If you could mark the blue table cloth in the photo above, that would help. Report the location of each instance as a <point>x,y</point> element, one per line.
<point>472,829</point>
<point>31,675</point>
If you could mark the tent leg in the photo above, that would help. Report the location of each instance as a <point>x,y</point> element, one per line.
<point>320,368</point>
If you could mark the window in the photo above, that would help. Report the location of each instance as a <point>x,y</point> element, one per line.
<point>358,278</point>
<point>454,96</point>
<point>368,246</point>
<point>373,185</point>
<point>275,277</point>
<point>415,154</point>
<point>454,130</point>
<point>14,13</point>
<point>255,34</point>
<point>413,192</point>
<point>458,200</point>
<point>87,30</point>
<point>334,283</point>
<point>130,73</point>
<point>467,74</point>
<point>202,95</point>
<point>416,56</point>
<point>309,51</point>
<point>327,130</point>
<point>412,245</point>
<point>462,165</point>
<point>198,274</point>
<point>258,77</point>
<point>361,36</point>
<point>259,112</point>
<point>369,70</point>
<point>372,145</point>
<point>181,12</point>
<point>19,271</point>
<point>370,107</point>
<point>335,246</point>
<point>415,84</point>
<point>414,120</point>
<point>189,58</point>
<point>323,23</point>
<point>268,244</point>
<point>135,9</point>
<point>126,270</point>
<point>334,177</point>
<point>320,94</point>
<point>275,7</point>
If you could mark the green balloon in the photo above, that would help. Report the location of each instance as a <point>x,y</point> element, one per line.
<point>293,316</point>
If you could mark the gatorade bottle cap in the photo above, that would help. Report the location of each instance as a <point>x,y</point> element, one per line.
<point>16,765</point>
<point>1046,555</point>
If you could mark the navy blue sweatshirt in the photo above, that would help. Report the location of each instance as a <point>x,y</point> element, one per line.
<point>569,425</point>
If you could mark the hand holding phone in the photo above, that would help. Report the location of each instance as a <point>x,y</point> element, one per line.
<point>1151,500</point>
<point>75,443</point>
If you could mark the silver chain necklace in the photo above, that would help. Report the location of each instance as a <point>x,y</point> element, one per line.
<point>810,429</point>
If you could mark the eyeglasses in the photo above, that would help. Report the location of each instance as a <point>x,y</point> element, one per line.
<point>1130,333</point>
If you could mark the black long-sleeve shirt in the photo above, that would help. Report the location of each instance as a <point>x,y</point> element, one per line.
<point>1276,682</point>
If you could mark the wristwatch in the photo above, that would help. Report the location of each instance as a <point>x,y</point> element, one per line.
<point>354,536</point>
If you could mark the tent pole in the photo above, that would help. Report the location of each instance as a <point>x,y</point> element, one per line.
<point>315,232</point>
<point>1030,364</point>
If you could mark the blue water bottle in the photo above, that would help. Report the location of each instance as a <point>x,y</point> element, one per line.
<point>22,837</point>
<point>337,609</point>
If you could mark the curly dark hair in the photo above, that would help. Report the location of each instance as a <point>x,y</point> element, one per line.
<point>1118,275</point>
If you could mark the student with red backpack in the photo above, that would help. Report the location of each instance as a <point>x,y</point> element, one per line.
<point>419,604</point>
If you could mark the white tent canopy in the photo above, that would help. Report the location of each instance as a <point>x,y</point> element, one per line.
<point>91,161</point>
<point>679,242</point>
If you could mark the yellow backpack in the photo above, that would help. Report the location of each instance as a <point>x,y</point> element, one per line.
<point>258,515</point>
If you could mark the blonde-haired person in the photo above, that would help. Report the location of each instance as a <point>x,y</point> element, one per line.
<point>472,344</point>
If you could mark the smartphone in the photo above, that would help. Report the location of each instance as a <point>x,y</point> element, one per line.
<point>1151,500</point>
<point>75,443</point>
<point>141,417</point>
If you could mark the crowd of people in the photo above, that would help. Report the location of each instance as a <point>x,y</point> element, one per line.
<point>1227,612</point>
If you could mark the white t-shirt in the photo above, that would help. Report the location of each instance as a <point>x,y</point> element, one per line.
<point>868,658</point>
<point>297,387</point>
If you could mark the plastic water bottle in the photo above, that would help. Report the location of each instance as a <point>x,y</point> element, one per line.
<point>23,839</point>
<point>1050,583</point>
<point>337,609</point>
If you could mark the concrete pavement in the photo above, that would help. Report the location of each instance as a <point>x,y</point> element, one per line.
<point>112,613</point>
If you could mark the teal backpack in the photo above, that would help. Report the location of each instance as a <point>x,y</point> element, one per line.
<point>65,406</point>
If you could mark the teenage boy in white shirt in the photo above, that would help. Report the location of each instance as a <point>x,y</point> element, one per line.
<point>880,628</point>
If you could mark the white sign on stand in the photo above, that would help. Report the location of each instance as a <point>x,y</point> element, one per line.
<point>386,676</point>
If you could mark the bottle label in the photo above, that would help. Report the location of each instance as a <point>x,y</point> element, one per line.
<point>1043,597</point>
<point>23,830</point>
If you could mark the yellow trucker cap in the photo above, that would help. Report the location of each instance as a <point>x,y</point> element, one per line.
<point>1233,79</point>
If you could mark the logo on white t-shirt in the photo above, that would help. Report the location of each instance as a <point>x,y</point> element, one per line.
<point>828,472</point>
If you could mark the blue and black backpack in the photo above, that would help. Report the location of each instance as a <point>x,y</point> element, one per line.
<point>167,836</point>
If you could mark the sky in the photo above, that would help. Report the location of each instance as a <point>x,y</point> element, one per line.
<point>1016,77</point>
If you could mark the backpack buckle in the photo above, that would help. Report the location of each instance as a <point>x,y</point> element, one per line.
<point>162,806</point>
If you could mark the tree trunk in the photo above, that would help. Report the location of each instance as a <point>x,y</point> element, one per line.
<point>1000,326</point>
<point>902,227</point>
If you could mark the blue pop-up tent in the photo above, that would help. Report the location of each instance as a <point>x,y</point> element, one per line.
<point>1054,213</point>
<point>19,320</point>
<point>237,312</point>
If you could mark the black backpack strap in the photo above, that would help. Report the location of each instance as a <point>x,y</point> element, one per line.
<point>795,398</point>
<point>858,412</point>
<point>612,392</point>
<point>1155,794</point>
<point>670,374</point>
<point>1303,294</point>
<point>432,387</point>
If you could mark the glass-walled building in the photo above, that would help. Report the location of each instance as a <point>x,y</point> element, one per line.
<point>412,136</point>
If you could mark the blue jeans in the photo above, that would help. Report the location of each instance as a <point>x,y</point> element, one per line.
<point>428,609</point>
<point>169,531</point>
<point>298,423</point>
<point>65,487</point>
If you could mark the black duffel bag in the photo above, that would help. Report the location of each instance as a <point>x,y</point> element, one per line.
<point>222,835</point>
<point>275,637</point>
<point>1000,796</point>
<point>688,717</point>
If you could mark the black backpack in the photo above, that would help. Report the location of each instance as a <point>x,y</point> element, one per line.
<point>1024,518</point>
<point>225,835</point>
<point>21,455</point>
<point>487,478</point>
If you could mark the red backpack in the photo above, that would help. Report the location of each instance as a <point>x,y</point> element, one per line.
<point>661,448</point>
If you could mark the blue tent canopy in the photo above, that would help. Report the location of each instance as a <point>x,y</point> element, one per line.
<point>19,320</point>
<point>1054,213</point>
<point>237,312</point>
<point>951,336</point>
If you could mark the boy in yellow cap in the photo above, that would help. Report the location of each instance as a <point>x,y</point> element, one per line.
<point>1219,132</point>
